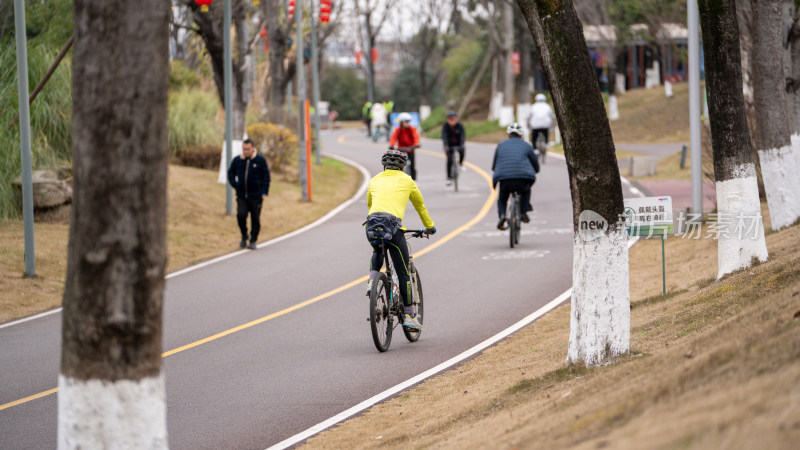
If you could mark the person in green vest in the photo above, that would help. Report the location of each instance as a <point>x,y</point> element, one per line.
<point>366,116</point>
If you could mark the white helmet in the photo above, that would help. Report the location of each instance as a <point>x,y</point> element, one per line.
<point>515,128</point>
<point>404,117</point>
<point>541,98</point>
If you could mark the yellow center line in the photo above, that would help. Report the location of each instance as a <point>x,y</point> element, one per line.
<point>481,214</point>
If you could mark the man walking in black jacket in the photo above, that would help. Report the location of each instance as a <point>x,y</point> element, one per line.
<point>453,137</point>
<point>249,176</point>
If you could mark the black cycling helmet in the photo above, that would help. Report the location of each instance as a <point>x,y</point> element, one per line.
<point>452,114</point>
<point>394,159</point>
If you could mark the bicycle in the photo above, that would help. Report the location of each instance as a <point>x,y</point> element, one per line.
<point>541,148</point>
<point>514,215</point>
<point>455,167</point>
<point>378,131</point>
<point>385,302</point>
<point>407,168</point>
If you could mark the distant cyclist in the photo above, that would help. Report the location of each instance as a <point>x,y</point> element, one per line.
<point>387,197</point>
<point>540,119</point>
<point>515,167</point>
<point>406,138</point>
<point>453,137</point>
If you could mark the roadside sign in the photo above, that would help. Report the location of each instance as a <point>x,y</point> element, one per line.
<point>649,216</point>
<point>414,121</point>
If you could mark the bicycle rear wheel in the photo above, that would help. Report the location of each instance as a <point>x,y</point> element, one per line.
<point>416,286</point>
<point>380,312</point>
<point>513,220</point>
<point>541,145</point>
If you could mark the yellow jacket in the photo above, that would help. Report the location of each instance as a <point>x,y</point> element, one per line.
<point>390,191</point>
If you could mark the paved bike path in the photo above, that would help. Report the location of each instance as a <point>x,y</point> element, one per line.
<point>266,382</point>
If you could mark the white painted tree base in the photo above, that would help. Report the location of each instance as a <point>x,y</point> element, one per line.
<point>781,174</point>
<point>739,209</point>
<point>122,414</point>
<point>600,318</point>
<point>506,116</point>
<point>613,108</point>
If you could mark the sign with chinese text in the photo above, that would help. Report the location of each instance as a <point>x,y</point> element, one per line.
<point>648,216</point>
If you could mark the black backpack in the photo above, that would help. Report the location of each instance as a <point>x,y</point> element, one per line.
<point>381,225</point>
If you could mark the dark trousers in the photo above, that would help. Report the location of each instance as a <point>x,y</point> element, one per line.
<point>413,167</point>
<point>251,205</point>
<point>535,134</point>
<point>520,185</point>
<point>369,127</point>
<point>450,154</point>
<point>398,250</point>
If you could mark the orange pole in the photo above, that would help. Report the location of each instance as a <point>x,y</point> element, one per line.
<point>308,147</point>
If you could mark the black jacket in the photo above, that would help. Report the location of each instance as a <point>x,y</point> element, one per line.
<point>454,136</point>
<point>250,177</point>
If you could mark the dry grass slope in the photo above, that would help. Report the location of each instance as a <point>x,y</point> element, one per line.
<point>713,365</point>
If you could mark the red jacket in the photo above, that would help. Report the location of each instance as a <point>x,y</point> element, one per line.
<point>404,137</point>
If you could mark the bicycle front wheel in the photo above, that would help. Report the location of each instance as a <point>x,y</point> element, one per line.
<point>380,312</point>
<point>416,286</point>
<point>513,220</point>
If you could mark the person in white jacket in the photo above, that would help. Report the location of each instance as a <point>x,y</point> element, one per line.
<point>540,119</point>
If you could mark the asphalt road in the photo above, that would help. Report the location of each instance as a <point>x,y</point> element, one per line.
<point>305,361</point>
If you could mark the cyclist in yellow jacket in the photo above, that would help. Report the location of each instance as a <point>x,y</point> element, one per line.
<point>387,197</point>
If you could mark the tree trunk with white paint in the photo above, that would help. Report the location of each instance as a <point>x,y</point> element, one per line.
<point>779,161</point>
<point>111,386</point>
<point>738,206</point>
<point>600,316</point>
<point>791,32</point>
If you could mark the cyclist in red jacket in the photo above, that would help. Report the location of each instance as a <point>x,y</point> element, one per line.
<point>406,139</point>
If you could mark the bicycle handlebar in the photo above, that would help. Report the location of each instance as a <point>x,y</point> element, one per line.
<point>417,233</point>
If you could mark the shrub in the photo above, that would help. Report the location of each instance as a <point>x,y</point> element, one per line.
<point>192,120</point>
<point>50,119</point>
<point>277,144</point>
<point>200,156</point>
<point>181,76</point>
<point>435,120</point>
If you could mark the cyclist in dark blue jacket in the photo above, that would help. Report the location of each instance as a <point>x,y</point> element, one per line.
<point>249,176</point>
<point>515,167</point>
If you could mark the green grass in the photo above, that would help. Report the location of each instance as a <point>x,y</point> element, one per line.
<point>193,119</point>
<point>50,119</point>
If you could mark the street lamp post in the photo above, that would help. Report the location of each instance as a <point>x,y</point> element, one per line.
<point>301,98</point>
<point>25,135</point>
<point>694,107</point>
<point>315,78</point>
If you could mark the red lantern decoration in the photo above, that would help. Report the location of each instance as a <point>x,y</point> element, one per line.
<point>263,32</point>
<point>374,55</point>
<point>325,8</point>
<point>291,9</point>
<point>203,4</point>
<point>515,62</point>
<point>358,57</point>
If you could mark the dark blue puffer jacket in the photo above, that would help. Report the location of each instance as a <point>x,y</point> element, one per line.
<point>514,158</point>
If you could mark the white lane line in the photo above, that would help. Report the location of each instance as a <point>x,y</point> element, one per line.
<point>424,375</point>
<point>372,401</point>
<point>360,193</point>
